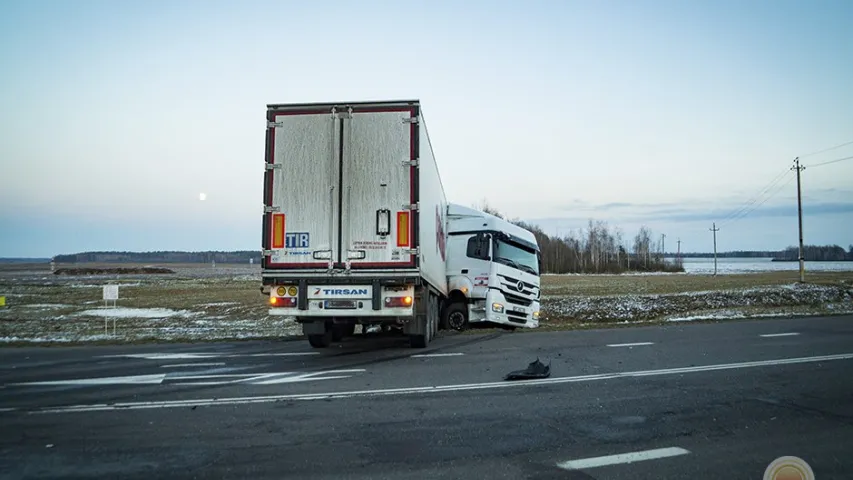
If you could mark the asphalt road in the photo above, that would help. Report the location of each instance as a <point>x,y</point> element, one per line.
<point>678,401</point>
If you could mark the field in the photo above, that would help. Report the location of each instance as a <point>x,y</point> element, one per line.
<point>200,302</point>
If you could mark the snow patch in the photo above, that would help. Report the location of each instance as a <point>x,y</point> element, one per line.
<point>127,312</point>
<point>217,304</point>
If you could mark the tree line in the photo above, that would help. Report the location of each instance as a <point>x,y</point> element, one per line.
<point>598,248</point>
<point>816,253</point>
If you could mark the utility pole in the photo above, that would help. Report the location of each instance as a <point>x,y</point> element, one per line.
<point>663,247</point>
<point>678,252</point>
<point>799,169</point>
<point>715,230</point>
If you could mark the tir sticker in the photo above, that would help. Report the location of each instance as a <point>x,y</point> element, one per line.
<point>297,240</point>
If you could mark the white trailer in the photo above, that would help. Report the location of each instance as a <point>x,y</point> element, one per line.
<point>354,219</point>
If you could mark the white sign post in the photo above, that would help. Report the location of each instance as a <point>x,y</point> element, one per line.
<point>110,294</point>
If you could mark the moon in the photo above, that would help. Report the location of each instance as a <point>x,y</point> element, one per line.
<point>202,196</point>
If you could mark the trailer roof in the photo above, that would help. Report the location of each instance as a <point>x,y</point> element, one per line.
<point>374,103</point>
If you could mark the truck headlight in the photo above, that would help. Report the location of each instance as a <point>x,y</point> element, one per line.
<point>498,307</point>
<point>536,315</point>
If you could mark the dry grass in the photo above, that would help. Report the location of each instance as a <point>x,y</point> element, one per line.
<point>226,302</point>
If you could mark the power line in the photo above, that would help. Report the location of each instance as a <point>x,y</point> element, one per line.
<point>754,208</point>
<point>827,149</point>
<point>831,161</point>
<point>752,200</point>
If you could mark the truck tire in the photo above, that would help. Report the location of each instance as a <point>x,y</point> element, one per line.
<point>340,331</point>
<point>430,328</point>
<point>456,316</point>
<point>320,341</point>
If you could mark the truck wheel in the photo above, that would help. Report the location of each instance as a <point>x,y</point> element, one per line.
<point>339,331</point>
<point>320,341</point>
<point>456,316</point>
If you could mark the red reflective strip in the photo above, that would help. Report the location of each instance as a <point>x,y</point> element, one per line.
<point>402,229</point>
<point>278,230</point>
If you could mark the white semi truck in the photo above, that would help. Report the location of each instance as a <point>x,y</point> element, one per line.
<point>355,230</point>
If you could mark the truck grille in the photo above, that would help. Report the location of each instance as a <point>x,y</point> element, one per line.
<point>516,317</point>
<point>526,292</point>
<point>525,302</point>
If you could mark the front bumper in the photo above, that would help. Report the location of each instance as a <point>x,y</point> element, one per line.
<point>497,309</point>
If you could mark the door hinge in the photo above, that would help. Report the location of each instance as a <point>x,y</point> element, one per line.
<point>274,124</point>
<point>346,114</point>
<point>272,166</point>
<point>412,251</point>
<point>411,163</point>
<point>412,206</point>
<point>268,253</point>
<point>269,209</point>
<point>411,120</point>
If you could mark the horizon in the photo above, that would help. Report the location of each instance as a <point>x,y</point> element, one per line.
<point>668,115</point>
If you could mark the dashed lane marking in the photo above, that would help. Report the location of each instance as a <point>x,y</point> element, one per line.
<point>200,364</point>
<point>638,344</point>
<point>771,335</point>
<point>427,355</point>
<point>631,457</point>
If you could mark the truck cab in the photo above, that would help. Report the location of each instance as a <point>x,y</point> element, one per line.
<point>492,271</point>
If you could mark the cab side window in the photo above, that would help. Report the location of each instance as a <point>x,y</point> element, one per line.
<point>478,247</point>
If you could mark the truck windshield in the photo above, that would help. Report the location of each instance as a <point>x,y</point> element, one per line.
<point>516,256</point>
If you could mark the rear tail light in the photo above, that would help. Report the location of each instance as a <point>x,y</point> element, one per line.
<point>284,291</point>
<point>397,302</point>
<point>282,302</point>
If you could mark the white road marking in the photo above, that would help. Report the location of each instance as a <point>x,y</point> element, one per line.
<point>155,379</point>
<point>212,379</point>
<point>7,409</point>
<point>631,457</point>
<point>789,334</point>
<point>425,355</point>
<point>184,365</point>
<point>434,389</point>
<point>197,356</point>
<point>638,344</point>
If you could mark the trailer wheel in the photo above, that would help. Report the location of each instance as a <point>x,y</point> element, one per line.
<point>430,327</point>
<point>339,331</point>
<point>456,316</point>
<point>320,341</point>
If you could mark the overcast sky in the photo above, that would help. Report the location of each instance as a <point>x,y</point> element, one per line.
<point>114,116</point>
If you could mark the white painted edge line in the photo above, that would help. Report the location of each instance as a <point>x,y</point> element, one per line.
<point>789,334</point>
<point>425,355</point>
<point>430,389</point>
<point>185,365</point>
<point>638,344</point>
<point>631,457</point>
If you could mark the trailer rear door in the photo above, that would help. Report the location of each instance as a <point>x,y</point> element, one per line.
<point>379,187</point>
<point>301,201</point>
